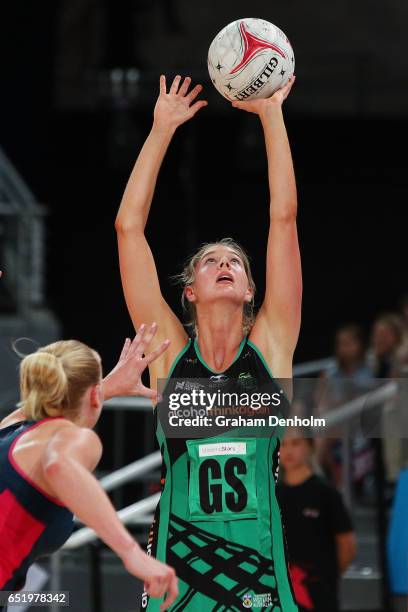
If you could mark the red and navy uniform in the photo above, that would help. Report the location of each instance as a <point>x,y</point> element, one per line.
<point>32,523</point>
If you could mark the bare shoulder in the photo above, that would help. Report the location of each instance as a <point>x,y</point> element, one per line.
<point>42,433</point>
<point>277,354</point>
<point>73,443</point>
<point>68,433</point>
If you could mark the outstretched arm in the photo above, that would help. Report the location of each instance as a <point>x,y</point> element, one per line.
<point>138,271</point>
<point>277,325</point>
<point>69,458</point>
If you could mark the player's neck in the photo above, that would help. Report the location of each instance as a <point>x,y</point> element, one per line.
<point>298,475</point>
<point>219,336</point>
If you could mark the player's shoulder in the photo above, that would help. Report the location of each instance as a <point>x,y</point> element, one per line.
<point>67,430</point>
<point>68,435</point>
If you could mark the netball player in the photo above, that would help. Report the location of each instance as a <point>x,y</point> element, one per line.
<point>227,547</point>
<point>48,451</point>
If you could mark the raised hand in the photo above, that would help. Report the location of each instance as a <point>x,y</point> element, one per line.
<point>259,105</point>
<point>126,376</point>
<point>176,107</point>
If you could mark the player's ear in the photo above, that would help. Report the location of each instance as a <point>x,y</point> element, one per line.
<point>189,293</point>
<point>96,396</point>
<point>249,295</point>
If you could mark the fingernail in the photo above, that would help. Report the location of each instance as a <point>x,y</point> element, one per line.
<point>143,325</point>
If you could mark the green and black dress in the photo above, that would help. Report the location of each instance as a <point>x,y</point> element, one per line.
<point>218,523</point>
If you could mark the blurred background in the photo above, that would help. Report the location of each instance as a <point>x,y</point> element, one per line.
<point>79,82</point>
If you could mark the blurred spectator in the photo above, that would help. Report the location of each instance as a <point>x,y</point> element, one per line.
<point>318,528</point>
<point>403,308</point>
<point>389,357</point>
<point>350,353</point>
<point>389,345</point>
<point>346,379</point>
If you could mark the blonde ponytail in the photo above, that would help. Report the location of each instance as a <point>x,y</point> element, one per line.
<point>54,379</point>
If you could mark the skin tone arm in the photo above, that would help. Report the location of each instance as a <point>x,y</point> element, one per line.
<point>14,417</point>
<point>70,456</point>
<point>277,325</point>
<point>138,271</point>
<point>346,549</point>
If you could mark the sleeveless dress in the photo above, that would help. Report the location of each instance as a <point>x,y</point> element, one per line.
<point>32,523</point>
<point>218,523</point>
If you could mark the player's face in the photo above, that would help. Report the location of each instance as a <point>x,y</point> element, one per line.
<point>220,275</point>
<point>294,452</point>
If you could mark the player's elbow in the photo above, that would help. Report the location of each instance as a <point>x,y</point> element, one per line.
<point>285,213</point>
<point>125,226</point>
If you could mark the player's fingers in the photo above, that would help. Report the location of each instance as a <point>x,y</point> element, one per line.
<point>156,353</point>
<point>194,93</point>
<point>152,588</point>
<point>288,87</point>
<point>125,349</point>
<point>149,393</point>
<point>146,339</point>
<point>157,587</point>
<point>197,105</point>
<point>184,86</point>
<point>162,84</point>
<point>246,106</point>
<point>137,339</point>
<point>172,594</point>
<point>175,84</point>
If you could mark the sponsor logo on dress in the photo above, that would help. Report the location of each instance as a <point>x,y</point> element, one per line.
<point>218,380</point>
<point>257,600</point>
<point>190,359</point>
<point>246,380</point>
<point>145,596</point>
<point>187,385</point>
<point>247,600</point>
<point>222,448</point>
